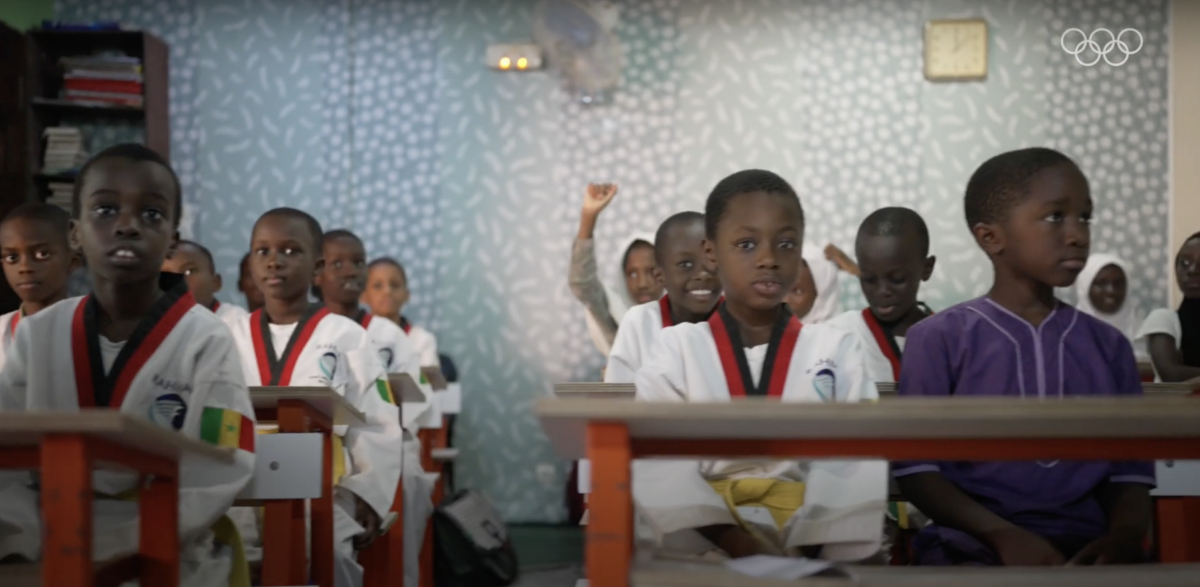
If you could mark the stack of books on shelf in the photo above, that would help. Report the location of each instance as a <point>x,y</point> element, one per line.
<point>104,78</point>
<point>65,150</point>
<point>60,195</point>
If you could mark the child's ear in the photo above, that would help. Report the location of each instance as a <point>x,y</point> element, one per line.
<point>73,238</point>
<point>318,267</point>
<point>220,283</point>
<point>76,260</point>
<point>989,237</point>
<point>927,272</point>
<point>659,278</point>
<point>173,244</point>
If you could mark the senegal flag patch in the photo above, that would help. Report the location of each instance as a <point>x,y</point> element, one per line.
<point>227,428</point>
<point>385,391</point>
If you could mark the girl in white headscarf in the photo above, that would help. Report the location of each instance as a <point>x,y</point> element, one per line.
<point>632,279</point>
<point>1102,291</point>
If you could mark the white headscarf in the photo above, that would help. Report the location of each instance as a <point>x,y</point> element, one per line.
<point>825,277</point>
<point>1126,319</point>
<point>619,300</point>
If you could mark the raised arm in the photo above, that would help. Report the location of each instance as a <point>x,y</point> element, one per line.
<point>583,276</point>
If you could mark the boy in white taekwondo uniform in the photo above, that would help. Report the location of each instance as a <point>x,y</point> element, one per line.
<point>38,261</point>
<point>195,261</point>
<point>148,353</point>
<point>892,247</point>
<point>339,285</point>
<point>753,346</point>
<point>291,342</point>
<point>692,293</point>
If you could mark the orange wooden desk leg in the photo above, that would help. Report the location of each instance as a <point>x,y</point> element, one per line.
<point>322,522</point>
<point>1178,529</point>
<point>158,513</point>
<point>427,558</point>
<point>285,527</point>
<point>66,470</point>
<point>609,549</point>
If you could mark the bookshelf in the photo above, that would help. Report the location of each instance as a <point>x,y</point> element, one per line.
<point>145,119</point>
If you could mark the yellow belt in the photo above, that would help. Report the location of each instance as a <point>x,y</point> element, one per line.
<point>780,498</point>
<point>224,531</point>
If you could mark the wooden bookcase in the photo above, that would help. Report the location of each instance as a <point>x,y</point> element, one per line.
<point>30,84</point>
<point>45,82</point>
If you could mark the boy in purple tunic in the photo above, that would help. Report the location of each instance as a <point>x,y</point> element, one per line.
<point>1029,210</point>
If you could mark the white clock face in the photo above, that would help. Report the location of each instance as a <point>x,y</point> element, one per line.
<point>956,50</point>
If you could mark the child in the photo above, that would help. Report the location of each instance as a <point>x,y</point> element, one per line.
<point>132,347</point>
<point>339,284</point>
<point>893,254</point>
<point>803,295</point>
<point>692,293</point>
<point>195,263</point>
<point>386,295</point>
<point>246,285</point>
<point>1174,337</point>
<point>1029,210</point>
<point>38,261</point>
<point>606,305</point>
<point>291,342</point>
<point>1101,291</point>
<point>754,226</point>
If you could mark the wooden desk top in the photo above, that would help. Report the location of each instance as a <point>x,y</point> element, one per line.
<point>916,418</point>
<point>404,388</point>
<point>888,388</point>
<point>323,399</point>
<point>595,390</point>
<point>27,429</point>
<point>711,574</point>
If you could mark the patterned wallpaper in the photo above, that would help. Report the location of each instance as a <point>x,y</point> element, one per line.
<point>378,115</point>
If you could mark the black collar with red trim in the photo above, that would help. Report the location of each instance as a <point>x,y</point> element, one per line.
<point>275,368</point>
<point>731,350</point>
<point>98,388</point>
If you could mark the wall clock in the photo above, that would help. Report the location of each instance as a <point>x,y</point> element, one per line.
<point>956,50</point>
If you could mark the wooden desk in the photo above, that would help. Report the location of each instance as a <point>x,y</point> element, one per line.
<point>595,390</point>
<point>888,389</point>
<point>65,448</point>
<point>612,433</point>
<point>302,410</point>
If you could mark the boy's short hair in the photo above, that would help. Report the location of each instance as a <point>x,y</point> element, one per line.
<point>314,227</point>
<point>897,221</point>
<point>137,153</point>
<point>212,265</point>
<point>389,261</point>
<point>1003,180</point>
<point>744,182</point>
<point>670,223</point>
<point>55,218</point>
<point>339,233</point>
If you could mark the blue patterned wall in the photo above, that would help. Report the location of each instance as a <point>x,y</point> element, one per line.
<point>379,115</point>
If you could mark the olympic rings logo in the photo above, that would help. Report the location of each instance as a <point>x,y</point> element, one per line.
<point>1088,44</point>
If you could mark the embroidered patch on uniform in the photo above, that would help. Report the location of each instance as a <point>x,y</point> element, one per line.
<point>168,410</point>
<point>825,383</point>
<point>385,355</point>
<point>328,364</point>
<point>228,428</point>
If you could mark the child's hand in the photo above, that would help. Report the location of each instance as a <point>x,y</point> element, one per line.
<point>1113,549</point>
<point>369,520</point>
<point>598,197</point>
<point>843,261</point>
<point>1018,547</point>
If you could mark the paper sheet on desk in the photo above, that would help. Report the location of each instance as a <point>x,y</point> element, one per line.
<point>781,568</point>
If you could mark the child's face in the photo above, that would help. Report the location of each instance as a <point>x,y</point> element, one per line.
<point>37,262</point>
<point>892,270</point>
<point>248,287</point>
<point>387,291</point>
<point>1187,268</point>
<point>125,226</point>
<point>1108,289</point>
<point>202,281</point>
<point>1046,235</point>
<point>640,269</point>
<point>283,258</point>
<point>689,284</point>
<point>757,249</point>
<point>803,296</point>
<point>344,275</point>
